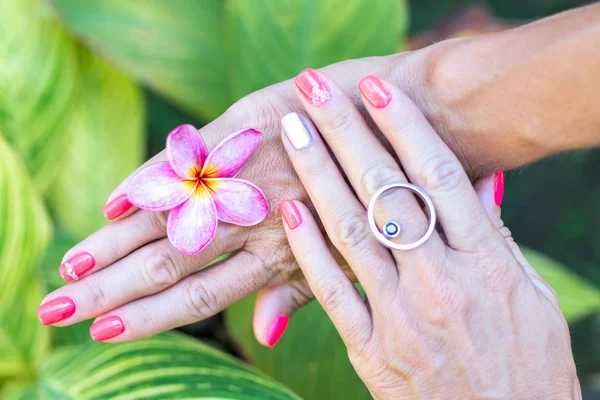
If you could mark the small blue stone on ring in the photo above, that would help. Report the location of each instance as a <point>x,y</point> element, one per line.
<point>391,229</point>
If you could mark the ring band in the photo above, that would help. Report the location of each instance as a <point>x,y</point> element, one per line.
<point>381,237</point>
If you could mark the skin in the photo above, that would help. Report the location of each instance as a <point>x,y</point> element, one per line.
<point>470,91</point>
<point>463,316</point>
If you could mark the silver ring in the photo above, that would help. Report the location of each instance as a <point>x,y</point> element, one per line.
<point>70,271</point>
<point>395,231</point>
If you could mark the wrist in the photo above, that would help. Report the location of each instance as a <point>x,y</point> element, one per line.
<point>460,85</point>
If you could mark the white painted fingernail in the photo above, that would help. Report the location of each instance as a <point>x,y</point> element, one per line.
<point>297,131</point>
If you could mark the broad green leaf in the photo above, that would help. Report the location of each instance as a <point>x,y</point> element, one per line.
<point>69,335</point>
<point>168,366</point>
<point>37,82</point>
<point>310,358</point>
<point>576,296</point>
<point>25,231</point>
<point>175,47</point>
<point>105,144</point>
<point>272,41</point>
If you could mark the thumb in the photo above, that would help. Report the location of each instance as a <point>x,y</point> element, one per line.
<point>490,190</point>
<point>274,307</point>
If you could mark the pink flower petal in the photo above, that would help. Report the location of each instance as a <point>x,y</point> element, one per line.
<point>186,151</point>
<point>157,187</point>
<point>238,202</point>
<point>192,225</point>
<point>230,155</point>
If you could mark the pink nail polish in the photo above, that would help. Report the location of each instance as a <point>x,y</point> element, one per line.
<point>276,329</point>
<point>117,207</point>
<point>313,87</point>
<point>56,310</point>
<point>76,266</point>
<point>290,214</point>
<point>107,328</point>
<point>375,91</point>
<point>498,187</point>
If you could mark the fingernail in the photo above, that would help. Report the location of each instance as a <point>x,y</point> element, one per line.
<point>74,268</point>
<point>276,329</point>
<point>117,207</point>
<point>375,91</point>
<point>313,87</point>
<point>107,328</point>
<point>56,310</point>
<point>290,214</point>
<point>296,131</point>
<point>498,187</point>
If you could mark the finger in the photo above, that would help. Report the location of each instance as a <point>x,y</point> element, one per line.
<point>429,163</point>
<point>274,307</point>
<point>485,189</point>
<point>196,297</point>
<point>332,288</point>
<point>343,217</point>
<point>365,161</point>
<point>112,242</point>
<point>490,190</point>
<point>145,272</point>
<point>118,205</point>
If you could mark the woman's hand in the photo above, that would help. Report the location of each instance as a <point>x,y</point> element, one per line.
<point>463,315</point>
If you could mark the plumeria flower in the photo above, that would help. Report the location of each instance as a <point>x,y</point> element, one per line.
<point>199,188</point>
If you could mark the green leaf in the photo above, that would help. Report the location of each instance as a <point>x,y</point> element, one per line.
<point>576,296</point>
<point>166,366</point>
<point>25,231</point>
<point>206,54</point>
<point>272,41</point>
<point>310,358</point>
<point>175,47</point>
<point>68,335</point>
<point>105,145</point>
<point>37,84</point>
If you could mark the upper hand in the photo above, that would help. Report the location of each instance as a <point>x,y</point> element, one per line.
<point>461,316</point>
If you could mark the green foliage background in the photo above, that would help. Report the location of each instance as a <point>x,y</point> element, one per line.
<point>89,89</point>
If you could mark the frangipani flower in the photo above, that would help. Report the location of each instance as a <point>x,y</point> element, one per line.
<point>199,188</point>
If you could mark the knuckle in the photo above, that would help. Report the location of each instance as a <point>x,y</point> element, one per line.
<point>338,123</point>
<point>441,173</point>
<point>506,233</point>
<point>158,221</point>
<point>199,301</point>
<point>351,231</point>
<point>333,292</point>
<point>376,175</point>
<point>160,271</point>
<point>100,300</point>
<point>314,170</point>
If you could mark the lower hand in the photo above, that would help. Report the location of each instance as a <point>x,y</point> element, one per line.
<point>463,315</point>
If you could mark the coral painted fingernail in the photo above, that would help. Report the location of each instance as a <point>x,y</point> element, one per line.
<point>290,214</point>
<point>107,328</point>
<point>296,131</point>
<point>117,207</point>
<point>276,329</point>
<point>313,87</point>
<point>56,310</point>
<point>74,268</point>
<point>498,187</point>
<point>375,91</point>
